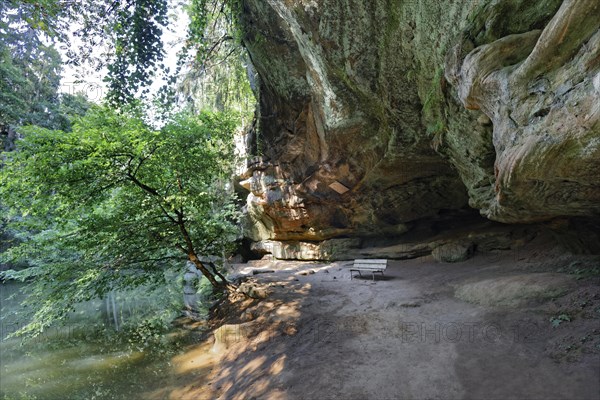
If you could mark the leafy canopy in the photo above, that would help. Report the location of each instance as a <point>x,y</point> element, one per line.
<point>217,70</point>
<point>30,79</point>
<point>114,202</point>
<point>126,37</point>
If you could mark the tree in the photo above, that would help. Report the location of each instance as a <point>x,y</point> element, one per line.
<point>71,107</point>
<point>126,37</point>
<point>122,35</point>
<point>138,47</point>
<point>29,80</point>
<point>113,202</point>
<point>217,70</point>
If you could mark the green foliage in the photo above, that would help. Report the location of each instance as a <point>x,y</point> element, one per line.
<point>113,203</point>
<point>20,396</point>
<point>581,271</point>
<point>123,36</point>
<point>29,80</point>
<point>148,332</point>
<point>126,38</point>
<point>138,48</point>
<point>559,319</point>
<point>13,86</point>
<point>216,63</point>
<point>73,107</point>
<point>224,86</point>
<point>213,27</point>
<point>432,110</point>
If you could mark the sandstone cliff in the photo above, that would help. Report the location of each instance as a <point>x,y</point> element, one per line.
<point>374,115</point>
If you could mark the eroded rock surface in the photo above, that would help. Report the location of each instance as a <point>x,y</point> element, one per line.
<point>541,90</point>
<point>374,115</point>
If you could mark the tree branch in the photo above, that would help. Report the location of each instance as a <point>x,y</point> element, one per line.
<point>142,185</point>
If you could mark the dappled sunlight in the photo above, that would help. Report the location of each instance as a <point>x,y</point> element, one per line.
<point>304,289</point>
<point>256,357</point>
<point>233,363</point>
<point>278,365</point>
<point>190,373</point>
<point>80,362</point>
<point>246,356</point>
<point>253,366</point>
<point>288,310</point>
<point>294,344</point>
<point>250,376</point>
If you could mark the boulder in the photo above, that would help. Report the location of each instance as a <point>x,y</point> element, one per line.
<point>253,290</point>
<point>452,252</point>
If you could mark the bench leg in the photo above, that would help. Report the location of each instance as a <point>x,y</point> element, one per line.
<point>381,272</point>
<point>359,273</point>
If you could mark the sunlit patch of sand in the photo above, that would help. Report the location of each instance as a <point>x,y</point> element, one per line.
<point>193,369</point>
<point>193,359</point>
<point>277,366</point>
<point>288,310</point>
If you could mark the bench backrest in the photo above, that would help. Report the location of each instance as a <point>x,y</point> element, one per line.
<point>374,263</point>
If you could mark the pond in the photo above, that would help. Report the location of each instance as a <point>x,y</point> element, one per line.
<point>87,359</point>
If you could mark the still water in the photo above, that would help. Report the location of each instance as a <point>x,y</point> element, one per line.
<point>87,358</point>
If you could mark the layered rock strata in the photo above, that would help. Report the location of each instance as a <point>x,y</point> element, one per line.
<point>376,115</point>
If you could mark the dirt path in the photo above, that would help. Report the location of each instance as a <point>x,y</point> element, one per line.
<point>322,336</point>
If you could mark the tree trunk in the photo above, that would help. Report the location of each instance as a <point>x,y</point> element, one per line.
<point>224,284</point>
<point>193,257</point>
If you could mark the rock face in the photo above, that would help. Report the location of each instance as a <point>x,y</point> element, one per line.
<point>541,90</point>
<point>449,245</point>
<point>375,115</point>
<point>332,249</point>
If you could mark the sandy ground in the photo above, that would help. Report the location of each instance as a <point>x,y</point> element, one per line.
<point>470,330</point>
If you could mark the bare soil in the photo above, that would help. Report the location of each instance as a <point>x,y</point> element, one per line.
<point>523,326</point>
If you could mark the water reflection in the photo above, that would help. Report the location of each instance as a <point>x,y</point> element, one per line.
<point>85,359</point>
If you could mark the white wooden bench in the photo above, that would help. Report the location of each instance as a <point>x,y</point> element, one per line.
<point>373,266</point>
